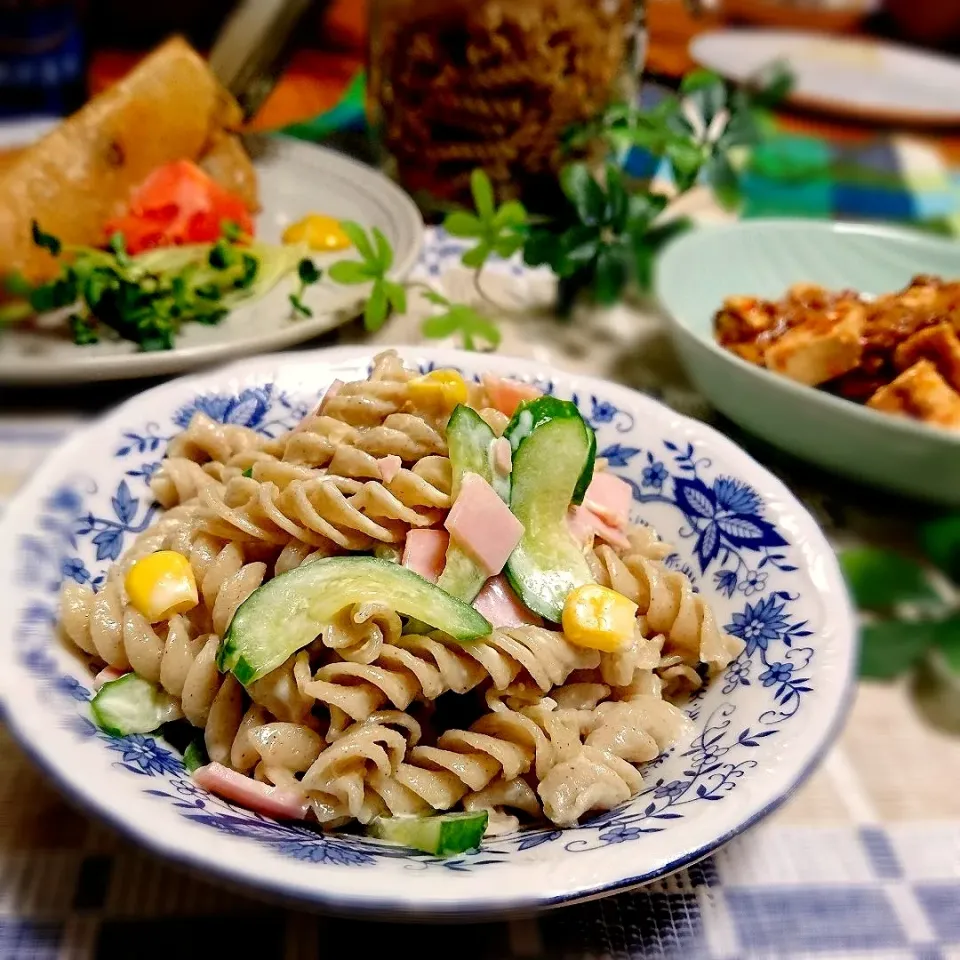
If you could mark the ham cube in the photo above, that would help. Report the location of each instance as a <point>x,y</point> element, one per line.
<point>498,602</point>
<point>107,675</point>
<point>609,498</point>
<point>425,552</point>
<point>507,395</point>
<point>585,524</point>
<point>249,793</point>
<point>483,525</point>
<point>389,467</point>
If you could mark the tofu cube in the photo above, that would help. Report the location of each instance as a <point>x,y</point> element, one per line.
<point>820,348</point>
<point>939,344</point>
<point>921,393</point>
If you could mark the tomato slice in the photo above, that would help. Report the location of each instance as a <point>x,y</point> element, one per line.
<point>177,204</point>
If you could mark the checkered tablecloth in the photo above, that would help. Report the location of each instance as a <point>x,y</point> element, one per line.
<point>864,861</point>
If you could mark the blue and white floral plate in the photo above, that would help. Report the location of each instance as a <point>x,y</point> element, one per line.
<point>746,542</point>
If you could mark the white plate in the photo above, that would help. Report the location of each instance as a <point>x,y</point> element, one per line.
<point>868,79</point>
<point>295,179</point>
<point>753,551</point>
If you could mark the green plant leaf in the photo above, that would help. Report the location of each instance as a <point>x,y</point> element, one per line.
<point>724,182</point>
<point>384,251</point>
<point>948,640</point>
<point>698,80</point>
<point>610,274</point>
<point>881,579</point>
<point>439,326</point>
<point>477,256</point>
<point>482,191</point>
<point>462,224</point>
<point>307,272</point>
<point>511,214</point>
<point>17,285</point>
<point>893,647</point>
<point>618,203</point>
<point>438,299</point>
<point>359,239</point>
<point>375,310</point>
<point>770,84</point>
<point>349,272</point>
<point>508,245</point>
<point>940,540</point>
<point>396,295</point>
<point>686,158</point>
<point>583,192</point>
<point>541,248</point>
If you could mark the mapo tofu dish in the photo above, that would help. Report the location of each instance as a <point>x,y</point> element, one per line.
<point>898,353</point>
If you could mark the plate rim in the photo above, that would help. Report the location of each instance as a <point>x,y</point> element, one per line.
<point>839,629</point>
<point>828,105</point>
<point>874,418</point>
<point>94,368</point>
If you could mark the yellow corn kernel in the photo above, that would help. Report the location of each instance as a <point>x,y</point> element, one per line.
<point>441,387</point>
<point>598,617</point>
<point>162,584</point>
<point>318,232</point>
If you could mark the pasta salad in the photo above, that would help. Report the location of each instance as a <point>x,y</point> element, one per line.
<point>424,611</point>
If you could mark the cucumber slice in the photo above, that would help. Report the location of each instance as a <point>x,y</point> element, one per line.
<point>287,612</point>
<point>445,835</point>
<point>131,704</point>
<point>469,439</point>
<point>554,449</point>
<point>532,413</point>
<point>195,756</point>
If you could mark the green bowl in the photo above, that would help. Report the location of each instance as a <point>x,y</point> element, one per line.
<point>764,257</point>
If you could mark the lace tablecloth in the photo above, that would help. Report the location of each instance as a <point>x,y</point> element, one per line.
<point>863,862</point>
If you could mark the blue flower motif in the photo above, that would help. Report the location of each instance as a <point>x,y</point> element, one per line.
<point>144,755</point>
<point>620,834</point>
<point>725,581</point>
<point>760,623</point>
<point>65,500</point>
<point>320,850</point>
<point>672,790</point>
<point>602,411</point>
<point>618,455</point>
<point>737,497</point>
<point>654,475</point>
<point>72,688</point>
<point>776,673</point>
<point>72,568</point>
<point>754,582</point>
<point>247,408</point>
<point>739,669</point>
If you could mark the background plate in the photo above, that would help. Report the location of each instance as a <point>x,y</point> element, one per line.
<point>295,179</point>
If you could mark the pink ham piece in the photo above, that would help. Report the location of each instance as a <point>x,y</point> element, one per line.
<point>251,794</point>
<point>425,552</point>
<point>507,395</point>
<point>501,456</point>
<point>609,498</point>
<point>389,467</point>
<point>107,675</point>
<point>584,524</point>
<point>483,525</point>
<point>317,411</point>
<point>498,602</point>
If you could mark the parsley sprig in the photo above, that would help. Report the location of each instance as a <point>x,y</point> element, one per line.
<point>147,298</point>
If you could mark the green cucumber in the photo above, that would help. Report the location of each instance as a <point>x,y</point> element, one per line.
<point>532,413</point>
<point>131,704</point>
<point>469,440</point>
<point>444,835</point>
<point>554,448</point>
<point>288,612</point>
<point>195,756</point>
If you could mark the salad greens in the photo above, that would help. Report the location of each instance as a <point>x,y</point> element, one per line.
<point>147,298</point>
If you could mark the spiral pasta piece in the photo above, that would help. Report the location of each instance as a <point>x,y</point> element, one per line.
<point>427,666</point>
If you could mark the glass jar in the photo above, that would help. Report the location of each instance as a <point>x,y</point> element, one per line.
<point>459,84</point>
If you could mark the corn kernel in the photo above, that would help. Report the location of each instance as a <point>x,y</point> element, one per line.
<point>599,618</point>
<point>162,584</point>
<point>318,232</point>
<point>444,388</point>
